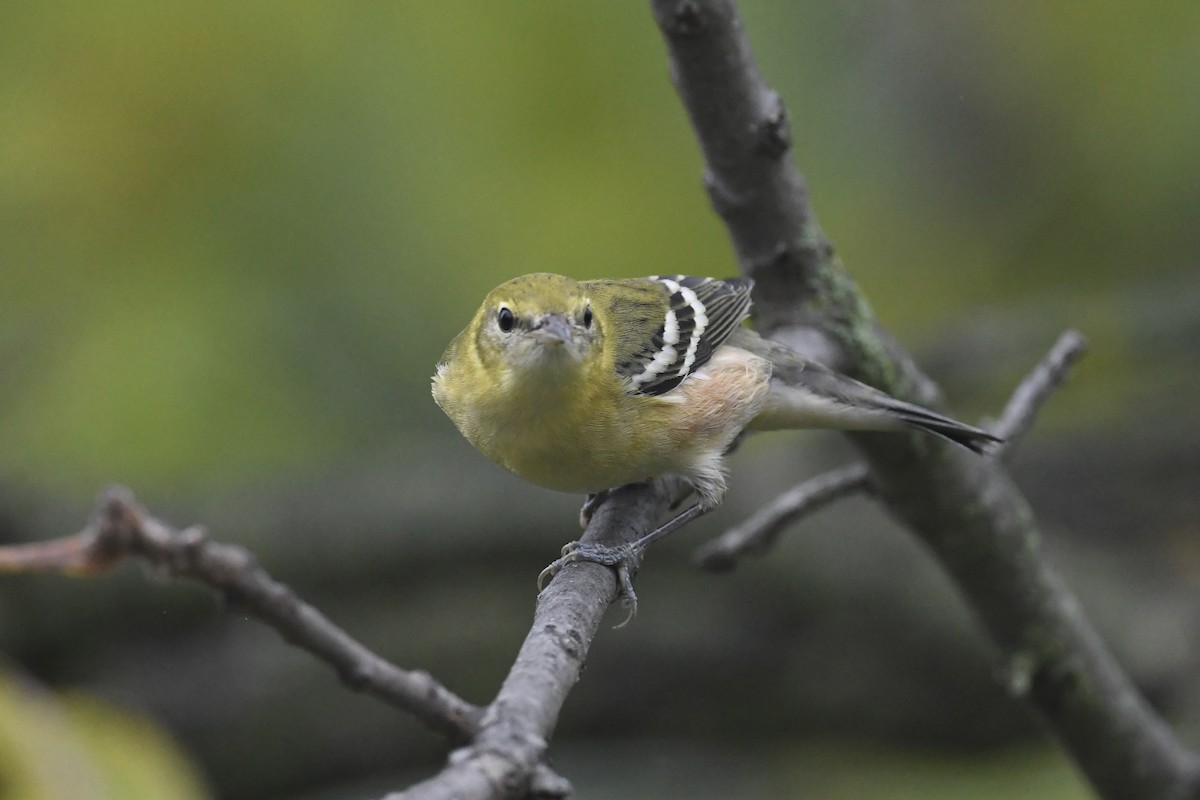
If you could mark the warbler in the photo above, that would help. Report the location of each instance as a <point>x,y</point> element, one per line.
<point>583,386</point>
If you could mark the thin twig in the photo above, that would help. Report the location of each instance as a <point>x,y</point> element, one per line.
<point>1029,397</point>
<point>759,532</point>
<point>121,528</point>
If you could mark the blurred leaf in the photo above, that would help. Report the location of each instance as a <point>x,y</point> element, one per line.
<point>73,747</point>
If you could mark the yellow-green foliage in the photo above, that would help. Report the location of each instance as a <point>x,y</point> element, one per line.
<point>74,747</point>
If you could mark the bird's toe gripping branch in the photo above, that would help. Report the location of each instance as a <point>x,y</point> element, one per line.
<point>624,558</point>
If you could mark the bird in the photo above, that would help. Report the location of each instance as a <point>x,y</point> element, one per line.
<point>585,386</point>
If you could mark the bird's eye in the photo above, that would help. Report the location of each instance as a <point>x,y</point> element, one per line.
<point>587,317</point>
<point>506,319</point>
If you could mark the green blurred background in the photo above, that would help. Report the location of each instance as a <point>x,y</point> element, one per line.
<point>234,239</point>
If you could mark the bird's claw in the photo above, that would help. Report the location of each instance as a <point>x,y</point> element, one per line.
<point>623,558</point>
<point>555,566</point>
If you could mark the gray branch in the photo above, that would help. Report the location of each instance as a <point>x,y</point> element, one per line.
<point>516,727</point>
<point>1035,390</point>
<point>966,509</point>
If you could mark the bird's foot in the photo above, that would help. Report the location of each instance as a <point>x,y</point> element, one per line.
<point>624,558</point>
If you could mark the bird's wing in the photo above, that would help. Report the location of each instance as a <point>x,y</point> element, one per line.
<point>700,315</point>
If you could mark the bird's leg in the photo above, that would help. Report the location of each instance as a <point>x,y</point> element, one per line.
<point>670,526</point>
<point>593,502</point>
<point>625,557</point>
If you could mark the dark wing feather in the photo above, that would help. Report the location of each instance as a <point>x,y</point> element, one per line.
<point>701,314</point>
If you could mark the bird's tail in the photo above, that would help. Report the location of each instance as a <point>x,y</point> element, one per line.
<point>952,430</point>
<point>805,394</point>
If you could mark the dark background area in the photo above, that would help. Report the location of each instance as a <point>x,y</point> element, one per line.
<point>234,240</point>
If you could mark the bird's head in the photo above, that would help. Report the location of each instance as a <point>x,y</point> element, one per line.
<point>539,325</point>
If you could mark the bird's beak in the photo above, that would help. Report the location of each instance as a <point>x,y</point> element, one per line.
<point>553,329</point>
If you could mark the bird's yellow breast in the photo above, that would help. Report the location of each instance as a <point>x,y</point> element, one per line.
<point>585,439</point>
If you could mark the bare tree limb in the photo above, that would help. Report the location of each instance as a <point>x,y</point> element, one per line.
<point>966,510</point>
<point>121,528</point>
<point>516,727</point>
